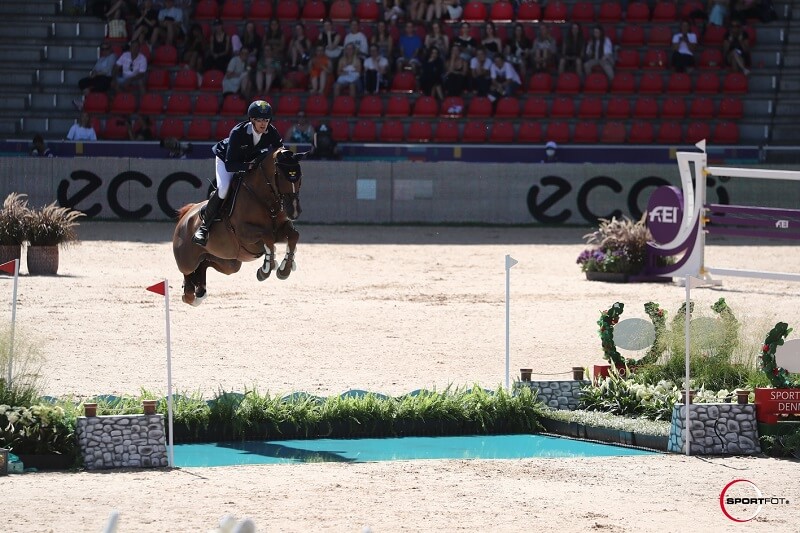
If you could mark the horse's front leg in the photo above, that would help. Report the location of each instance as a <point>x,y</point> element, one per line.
<point>269,262</point>
<point>288,264</point>
<point>188,289</point>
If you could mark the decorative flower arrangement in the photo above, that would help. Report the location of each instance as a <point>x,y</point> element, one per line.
<point>52,225</point>
<point>609,318</point>
<point>39,429</point>
<point>14,219</point>
<point>778,376</point>
<point>618,245</point>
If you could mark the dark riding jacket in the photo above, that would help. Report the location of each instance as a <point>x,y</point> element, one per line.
<point>238,149</point>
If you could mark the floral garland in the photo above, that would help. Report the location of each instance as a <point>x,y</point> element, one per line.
<point>778,376</point>
<point>730,325</point>
<point>608,319</point>
<point>659,319</point>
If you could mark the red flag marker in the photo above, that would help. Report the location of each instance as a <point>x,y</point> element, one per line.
<point>158,288</point>
<point>9,267</point>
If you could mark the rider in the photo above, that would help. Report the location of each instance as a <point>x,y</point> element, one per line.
<point>238,152</point>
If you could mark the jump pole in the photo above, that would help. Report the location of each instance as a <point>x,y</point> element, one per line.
<point>12,267</point>
<point>162,288</point>
<point>510,262</point>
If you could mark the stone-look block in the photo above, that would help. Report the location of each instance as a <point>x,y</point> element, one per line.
<point>716,429</point>
<point>562,395</point>
<point>125,441</point>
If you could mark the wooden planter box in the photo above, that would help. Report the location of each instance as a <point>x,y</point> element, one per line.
<point>608,277</point>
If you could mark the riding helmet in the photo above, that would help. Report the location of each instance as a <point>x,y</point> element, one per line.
<point>260,109</point>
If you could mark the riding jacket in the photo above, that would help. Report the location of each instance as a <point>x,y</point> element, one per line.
<point>238,150</point>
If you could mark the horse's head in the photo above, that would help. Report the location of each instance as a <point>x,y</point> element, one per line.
<point>288,180</point>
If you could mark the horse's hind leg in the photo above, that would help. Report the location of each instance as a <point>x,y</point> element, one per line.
<point>193,292</point>
<point>269,262</point>
<point>288,264</point>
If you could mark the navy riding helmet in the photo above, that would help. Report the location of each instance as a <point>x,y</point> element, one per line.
<point>260,109</point>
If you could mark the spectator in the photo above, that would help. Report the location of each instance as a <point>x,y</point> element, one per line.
<point>268,70</point>
<point>170,24</point>
<point>302,131</point>
<point>140,129</point>
<point>274,36</point>
<point>324,145</point>
<point>118,9</point>
<point>455,77</point>
<point>600,51</point>
<point>431,74</point>
<point>416,10</point>
<point>330,40</point>
<point>146,23</point>
<point>376,68</point>
<point>480,68</point>
<point>544,50</point>
<point>220,49</point>
<point>299,48</point>
<point>505,80</point>
<point>466,41</point>
<point>383,40</point>
<point>453,10</point>
<point>717,12</point>
<point>82,130</point>
<point>357,38</point>
<point>237,75</point>
<point>100,77</point>
<point>393,11</point>
<point>320,70</point>
<point>131,68</point>
<point>251,40</point>
<point>491,42</point>
<point>741,10</point>
<point>348,72</point>
<point>195,48</point>
<point>572,48</point>
<point>683,46</point>
<point>39,148</point>
<point>736,48</point>
<point>550,152</point>
<point>518,50</point>
<point>410,49</point>
<point>435,38</point>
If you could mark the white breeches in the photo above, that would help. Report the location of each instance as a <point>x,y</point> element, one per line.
<point>223,179</point>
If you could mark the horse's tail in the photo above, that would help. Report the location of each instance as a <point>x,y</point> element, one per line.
<point>183,210</point>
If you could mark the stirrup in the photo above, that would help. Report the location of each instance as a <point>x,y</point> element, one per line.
<point>200,236</point>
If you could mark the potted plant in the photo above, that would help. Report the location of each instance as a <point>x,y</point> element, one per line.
<point>48,228</point>
<point>14,218</point>
<point>616,250</point>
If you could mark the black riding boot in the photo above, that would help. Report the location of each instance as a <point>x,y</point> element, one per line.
<point>201,235</point>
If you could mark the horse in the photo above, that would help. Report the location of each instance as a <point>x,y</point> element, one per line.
<point>259,210</point>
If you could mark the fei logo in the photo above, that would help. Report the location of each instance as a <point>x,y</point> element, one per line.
<point>665,213</point>
<point>741,500</point>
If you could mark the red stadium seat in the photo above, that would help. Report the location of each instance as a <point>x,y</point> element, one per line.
<point>697,131</point>
<point>582,12</point>
<point>206,10</point>
<point>96,103</point>
<point>206,104</point>
<point>404,82</point>
<point>651,83</point>
<point>232,10</point>
<point>261,9</point>
<point>610,12</point>
<point>282,126</point>
<point>637,12</point>
<point>502,12</point>
<point>673,107</point>
<point>391,132</point>
<point>452,106</point>
<point>295,81</point>
<point>645,108</point>
<point>151,104</point>
<point>116,129</point>
<point>632,35</point>
<point>530,132</point>
<point>568,83</point>
<point>563,107</point>
<point>234,105</point>
<point>735,83</point>
<point>171,127</point>
<point>158,80</point>
<point>535,107</point>
<point>591,107</point>
<point>642,133</point>
<point>713,36</point>
<point>344,105</point>
<point>289,105</point>
<point>199,130</point>
<point>731,108</point>
<point>165,56</point>
<point>507,107</point>
<point>541,82</point>
<point>212,81</point>
<point>425,107</point>
<point>446,132</point>
<point>702,108</point>
<point>679,83</point>
<point>529,11</point>
<point>586,132</point>
<point>419,131</point>
<point>179,104</point>
<point>502,132</point>
<point>367,11</point>
<point>655,60</point>
<point>595,83</point>
<point>475,11</point>
<point>475,131</point>
<point>341,11</point>
<point>689,8</point>
<point>618,107</point>
<point>664,11</point>
<point>340,129</point>
<point>365,131</point>
<point>613,133</point>
<point>726,132</point>
<point>398,106</point>
<point>313,11</point>
<point>371,105</point>
<point>710,59</point>
<point>288,10</point>
<point>623,83</point>
<point>669,132</point>
<point>317,105</point>
<point>555,11</point>
<point>224,126</point>
<point>707,83</point>
<point>627,59</point>
<point>123,104</point>
<point>479,107</point>
<point>558,131</point>
<point>659,35</point>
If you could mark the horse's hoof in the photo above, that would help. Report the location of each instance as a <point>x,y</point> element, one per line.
<point>199,299</point>
<point>188,298</point>
<point>261,275</point>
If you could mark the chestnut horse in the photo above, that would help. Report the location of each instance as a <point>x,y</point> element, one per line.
<point>257,213</point>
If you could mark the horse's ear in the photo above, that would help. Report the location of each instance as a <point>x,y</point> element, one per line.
<point>299,156</point>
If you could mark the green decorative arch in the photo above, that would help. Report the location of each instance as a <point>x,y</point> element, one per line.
<point>778,376</point>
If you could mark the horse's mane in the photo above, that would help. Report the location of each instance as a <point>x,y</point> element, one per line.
<point>183,210</point>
